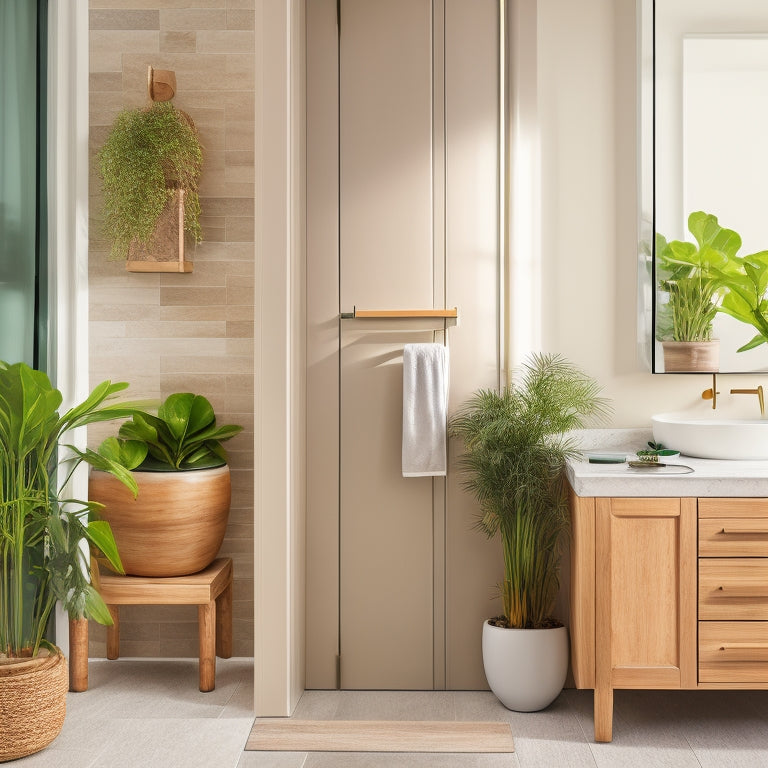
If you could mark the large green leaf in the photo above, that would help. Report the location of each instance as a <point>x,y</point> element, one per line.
<point>99,533</point>
<point>127,453</point>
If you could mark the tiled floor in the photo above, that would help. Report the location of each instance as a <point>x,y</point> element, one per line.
<point>149,714</point>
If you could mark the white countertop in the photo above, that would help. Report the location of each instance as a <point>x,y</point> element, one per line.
<point>709,477</point>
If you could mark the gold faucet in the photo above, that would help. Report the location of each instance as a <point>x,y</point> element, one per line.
<point>758,392</point>
<point>711,394</point>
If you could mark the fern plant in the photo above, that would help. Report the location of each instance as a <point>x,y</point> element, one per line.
<point>149,154</point>
<point>515,448</point>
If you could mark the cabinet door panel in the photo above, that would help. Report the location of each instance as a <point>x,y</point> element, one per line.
<point>646,593</point>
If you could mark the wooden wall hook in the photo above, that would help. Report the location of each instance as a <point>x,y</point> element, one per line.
<point>161,84</point>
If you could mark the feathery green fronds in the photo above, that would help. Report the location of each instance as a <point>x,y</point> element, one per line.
<point>149,153</point>
<point>515,448</point>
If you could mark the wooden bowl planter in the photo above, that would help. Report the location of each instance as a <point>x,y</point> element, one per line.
<point>176,524</point>
<point>33,702</point>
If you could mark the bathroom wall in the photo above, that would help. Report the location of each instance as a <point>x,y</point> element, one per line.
<point>587,92</point>
<point>183,332</point>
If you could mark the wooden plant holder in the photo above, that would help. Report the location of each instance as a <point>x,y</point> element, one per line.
<point>167,247</point>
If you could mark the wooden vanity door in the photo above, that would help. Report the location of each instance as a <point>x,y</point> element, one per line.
<point>645,596</point>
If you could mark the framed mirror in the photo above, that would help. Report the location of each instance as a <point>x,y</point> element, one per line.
<point>703,93</point>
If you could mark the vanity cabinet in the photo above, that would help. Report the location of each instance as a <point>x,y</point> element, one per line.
<point>667,593</point>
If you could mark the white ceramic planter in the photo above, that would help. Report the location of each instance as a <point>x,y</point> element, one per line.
<point>525,668</point>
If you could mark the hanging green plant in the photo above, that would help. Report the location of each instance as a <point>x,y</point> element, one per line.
<point>149,154</point>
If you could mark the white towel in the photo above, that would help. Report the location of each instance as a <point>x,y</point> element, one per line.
<point>425,408</point>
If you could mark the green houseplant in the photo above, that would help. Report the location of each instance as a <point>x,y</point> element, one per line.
<point>149,154</point>
<point>41,558</point>
<point>692,275</point>
<point>180,468</point>
<point>516,443</point>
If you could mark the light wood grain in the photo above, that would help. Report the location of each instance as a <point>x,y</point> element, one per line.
<point>733,537</point>
<point>733,588</point>
<point>195,589</point>
<point>582,621</point>
<point>372,313</point>
<point>379,736</point>
<point>733,652</point>
<point>176,524</point>
<point>733,507</point>
<point>645,598</point>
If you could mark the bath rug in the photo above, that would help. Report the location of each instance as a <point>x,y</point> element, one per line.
<point>286,735</point>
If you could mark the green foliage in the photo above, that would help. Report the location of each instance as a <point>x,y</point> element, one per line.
<point>515,448</point>
<point>41,559</point>
<point>745,297</point>
<point>182,436</point>
<point>148,155</point>
<point>693,276</point>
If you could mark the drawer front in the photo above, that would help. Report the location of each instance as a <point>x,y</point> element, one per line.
<point>733,537</point>
<point>733,651</point>
<point>733,507</point>
<point>733,589</point>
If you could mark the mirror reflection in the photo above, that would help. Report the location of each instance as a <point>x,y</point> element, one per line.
<point>710,265</point>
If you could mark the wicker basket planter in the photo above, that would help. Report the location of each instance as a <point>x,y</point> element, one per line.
<point>33,702</point>
<point>176,524</point>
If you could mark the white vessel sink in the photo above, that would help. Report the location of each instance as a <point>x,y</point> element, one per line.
<point>713,438</point>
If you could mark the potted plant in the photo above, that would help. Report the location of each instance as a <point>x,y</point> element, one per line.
<point>691,275</point>
<point>150,168</point>
<point>176,523</point>
<point>41,558</point>
<point>516,443</point>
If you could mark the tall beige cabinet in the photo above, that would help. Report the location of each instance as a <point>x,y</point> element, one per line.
<point>402,213</point>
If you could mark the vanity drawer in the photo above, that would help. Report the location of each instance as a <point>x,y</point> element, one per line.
<point>733,537</point>
<point>739,507</point>
<point>733,588</point>
<point>733,651</point>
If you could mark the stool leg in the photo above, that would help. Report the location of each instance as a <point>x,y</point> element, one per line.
<point>224,623</point>
<point>113,633</point>
<point>78,654</point>
<point>207,628</point>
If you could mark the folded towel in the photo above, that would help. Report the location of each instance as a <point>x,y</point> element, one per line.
<point>425,407</point>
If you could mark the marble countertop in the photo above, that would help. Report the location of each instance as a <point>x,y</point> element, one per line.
<point>703,477</point>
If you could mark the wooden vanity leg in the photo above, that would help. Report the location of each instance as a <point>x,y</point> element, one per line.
<point>113,633</point>
<point>603,714</point>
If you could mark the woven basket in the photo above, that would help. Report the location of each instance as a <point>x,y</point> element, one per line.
<point>33,702</point>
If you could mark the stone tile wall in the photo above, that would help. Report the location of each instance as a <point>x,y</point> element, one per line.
<point>167,333</point>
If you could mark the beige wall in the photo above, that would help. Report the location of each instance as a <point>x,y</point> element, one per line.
<point>189,332</point>
<point>586,76</point>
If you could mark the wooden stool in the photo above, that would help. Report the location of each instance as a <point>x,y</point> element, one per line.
<point>210,590</point>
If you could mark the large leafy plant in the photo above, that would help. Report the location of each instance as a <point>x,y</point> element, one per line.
<point>182,436</point>
<point>693,275</point>
<point>148,155</point>
<point>745,297</point>
<point>41,558</point>
<point>515,448</point>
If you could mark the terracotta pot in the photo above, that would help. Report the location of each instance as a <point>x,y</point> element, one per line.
<point>33,703</point>
<point>525,668</point>
<point>687,356</point>
<point>176,524</point>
